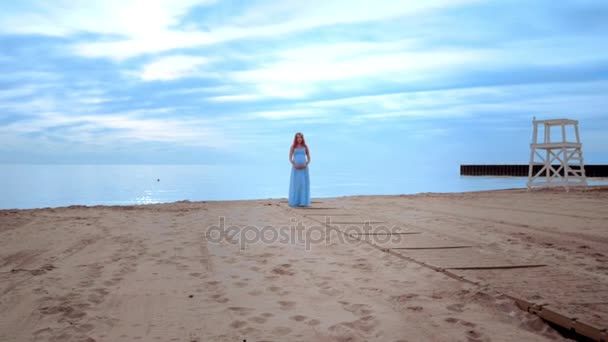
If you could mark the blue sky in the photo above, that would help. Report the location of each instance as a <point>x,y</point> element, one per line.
<point>229,82</point>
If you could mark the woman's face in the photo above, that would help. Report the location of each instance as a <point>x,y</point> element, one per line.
<point>299,138</point>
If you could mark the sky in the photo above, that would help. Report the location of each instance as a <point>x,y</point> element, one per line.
<point>369,83</point>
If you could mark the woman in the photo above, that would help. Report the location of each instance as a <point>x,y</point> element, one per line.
<point>299,184</point>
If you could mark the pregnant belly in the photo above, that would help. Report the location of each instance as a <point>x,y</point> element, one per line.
<point>299,159</point>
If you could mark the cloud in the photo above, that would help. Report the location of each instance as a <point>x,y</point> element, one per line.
<point>121,128</point>
<point>295,15</point>
<point>126,18</point>
<point>123,28</point>
<point>301,72</point>
<point>288,114</point>
<point>235,98</point>
<point>172,67</point>
<point>557,99</point>
<point>135,27</point>
<point>135,46</point>
<point>211,74</point>
<point>24,90</point>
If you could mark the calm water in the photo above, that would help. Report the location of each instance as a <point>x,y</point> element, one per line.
<point>35,186</point>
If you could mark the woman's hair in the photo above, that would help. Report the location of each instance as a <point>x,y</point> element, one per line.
<point>295,140</point>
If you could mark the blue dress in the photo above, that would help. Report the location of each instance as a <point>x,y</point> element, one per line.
<point>299,184</point>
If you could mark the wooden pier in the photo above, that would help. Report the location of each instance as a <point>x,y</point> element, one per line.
<point>521,170</point>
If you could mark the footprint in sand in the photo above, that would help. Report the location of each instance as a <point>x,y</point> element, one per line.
<point>258,319</point>
<point>355,330</point>
<point>241,311</point>
<point>475,336</point>
<point>86,283</point>
<point>359,310</point>
<point>95,298</point>
<point>284,269</point>
<point>249,331</point>
<point>231,261</point>
<point>330,291</point>
<point>371,290</point>
<point>363,280</point>
<point>279,291</point>
<point>298,318</point>
<point>84,328</point>
<point>456,307</point>
<point>403,298</point>
<point>415,308</point>
<point>254,293</point>
<point>461,321</point>
<point>468,324</point>
<point>281,331</point>
<point>313,322</point>
<point>286,305</point>
<point>41,291</point>
<point>238,324</point>
<point>219,298</point>
<point>65,310</point>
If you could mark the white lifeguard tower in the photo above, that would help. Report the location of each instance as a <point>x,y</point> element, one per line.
<point>569,169</point>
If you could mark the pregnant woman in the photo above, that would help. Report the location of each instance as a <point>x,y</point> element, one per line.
<point>299,184</point>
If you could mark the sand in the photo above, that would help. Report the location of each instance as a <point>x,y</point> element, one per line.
<point>162,272</point>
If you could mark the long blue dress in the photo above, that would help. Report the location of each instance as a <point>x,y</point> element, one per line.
<point>299,184</point>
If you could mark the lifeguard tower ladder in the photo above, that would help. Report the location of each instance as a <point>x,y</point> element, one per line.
<point>569,169</point>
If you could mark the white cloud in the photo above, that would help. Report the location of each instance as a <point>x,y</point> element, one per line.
<point>135,27</point>
<point>235,98</point>
<point>24,90</point>
<point>99,100</point>
<point>125,127</point>
<point>135,46</point>
<point>30,106</point>
<point>172,67</point>
<point>127,18</point>
<point>555,99</point>
<point>79,118</point>
<point>132,27</point>
<point>405,65</point>
<point>301,72</point>
<point>289,114</point>
<point>255,91</point>
<point>201,90</point>
<point>296,15</point>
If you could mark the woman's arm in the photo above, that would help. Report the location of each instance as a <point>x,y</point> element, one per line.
<point>307,156</point>
<point>291,156</point>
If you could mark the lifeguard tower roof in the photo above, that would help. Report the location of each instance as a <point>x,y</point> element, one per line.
<point>557,122</point>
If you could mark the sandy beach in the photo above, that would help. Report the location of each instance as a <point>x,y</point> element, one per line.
<point>427,267</point>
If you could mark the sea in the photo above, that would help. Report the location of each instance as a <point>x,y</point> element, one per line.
<point>26,186</point>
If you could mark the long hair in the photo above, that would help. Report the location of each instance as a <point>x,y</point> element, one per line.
<point>295,140</point>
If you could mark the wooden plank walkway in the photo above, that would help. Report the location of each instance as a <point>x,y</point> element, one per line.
<point>566,299</point>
